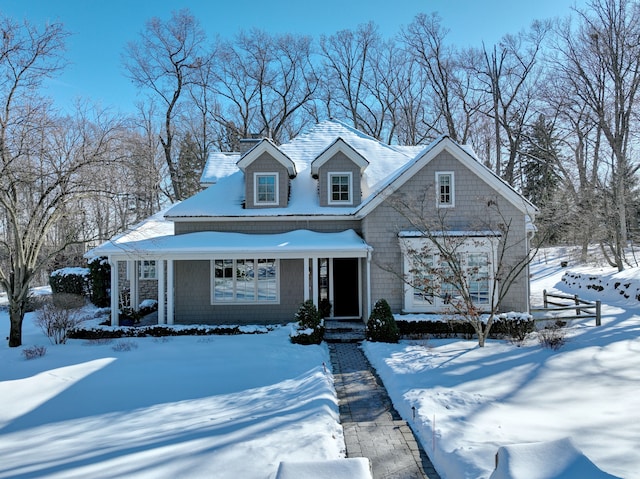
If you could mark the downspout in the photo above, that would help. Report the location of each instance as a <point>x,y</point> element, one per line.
<point>115,292</point>
<point>368,312</point>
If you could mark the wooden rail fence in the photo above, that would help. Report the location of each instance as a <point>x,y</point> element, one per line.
<point>566,302</point>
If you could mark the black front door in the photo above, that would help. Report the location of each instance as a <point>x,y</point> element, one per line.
<point>345,287</point>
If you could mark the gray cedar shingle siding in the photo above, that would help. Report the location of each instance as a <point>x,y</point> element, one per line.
<point>270,226</point>
<point>380,230</point>
<point>193,297</point>
<point>381,226</point>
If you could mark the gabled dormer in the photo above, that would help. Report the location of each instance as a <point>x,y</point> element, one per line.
<point>338,170</point>
<point>267,172</point>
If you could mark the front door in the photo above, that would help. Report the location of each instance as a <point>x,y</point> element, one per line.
<point>346,300</point>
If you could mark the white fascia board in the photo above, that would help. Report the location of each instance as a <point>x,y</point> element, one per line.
<point>209,244</point>
<point>266,146</point>
<point>339,145</point>
<point>452,233</point>
<point>219,219</point>
<point>259,253</point>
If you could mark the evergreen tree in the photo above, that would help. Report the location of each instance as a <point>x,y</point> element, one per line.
<point>190,166</point>
<point>539,159</point>
<point>539,162</point>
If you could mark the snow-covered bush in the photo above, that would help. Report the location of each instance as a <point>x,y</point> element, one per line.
<point>382,326</point>
<point>70,281</point>
<point>148,306</point>
<point>309,328</point>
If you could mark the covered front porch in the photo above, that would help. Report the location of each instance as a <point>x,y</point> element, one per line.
<point>218,277</point>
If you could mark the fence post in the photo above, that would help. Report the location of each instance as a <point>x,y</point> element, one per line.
<point>575,298</point>
<point>544,297</point>
<point>598,308</point>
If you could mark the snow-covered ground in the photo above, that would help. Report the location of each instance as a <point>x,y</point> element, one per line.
<point>230,407</point>
<point>470,401</point>
<point>215,406</point>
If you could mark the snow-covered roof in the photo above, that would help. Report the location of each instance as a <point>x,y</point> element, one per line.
<point>219,165</point>
<point>225,198</point>
<point>387,168</point>
<point>205,243</point>
<point>151,227</point>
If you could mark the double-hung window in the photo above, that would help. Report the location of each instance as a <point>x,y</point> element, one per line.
<point>445,189</point>
<point>242,281</point>
<point>340,188</point>
<point>147,269</point>
<point>266,188</point>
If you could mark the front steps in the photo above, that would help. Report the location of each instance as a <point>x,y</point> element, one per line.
<point>340,331</point>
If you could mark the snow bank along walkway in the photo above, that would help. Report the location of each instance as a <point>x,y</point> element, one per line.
<point>372,427</point>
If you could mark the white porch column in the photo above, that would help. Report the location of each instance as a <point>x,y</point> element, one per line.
<point>368,279</point>
<point>115,293</point>
<point>305,284</point>
<point>314,281</point>
<point>331,290</point>
<point>170,291</point>
<point>132,267</point>
<point>161,296</point>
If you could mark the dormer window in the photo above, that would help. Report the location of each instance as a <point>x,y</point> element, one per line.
<point>340,188</point>
<point>266,188</point>
<point>445,189</point>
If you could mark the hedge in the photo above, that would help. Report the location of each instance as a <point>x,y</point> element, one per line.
<point>502,327</point>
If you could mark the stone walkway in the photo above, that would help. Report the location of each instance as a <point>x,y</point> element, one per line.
<point>372,427</point>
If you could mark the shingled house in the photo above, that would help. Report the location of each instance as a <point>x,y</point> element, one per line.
<point>317,218</point>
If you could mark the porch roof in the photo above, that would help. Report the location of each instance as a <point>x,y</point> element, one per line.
<point>209,244</point>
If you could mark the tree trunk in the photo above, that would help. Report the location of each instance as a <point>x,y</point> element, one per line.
<point>16,316</point>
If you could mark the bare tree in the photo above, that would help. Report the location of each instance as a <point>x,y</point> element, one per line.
<point>43,162</point>
<point>600,59</point>
<point>267,82</point>
<point>165,60</point>
<point>349,57</point>
<point>510,77</point>
<point>424,38</point>
<point>469,272</point>
<point>27,56</point>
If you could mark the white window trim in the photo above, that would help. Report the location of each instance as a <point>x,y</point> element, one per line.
<point>486,244</point>
<point>329,192</point>
<point>452,192</point>
<point>235,301</point>
<point>142,269</point>
<point>257,175</point>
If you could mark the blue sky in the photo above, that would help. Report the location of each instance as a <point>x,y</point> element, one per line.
<point>102,28</point>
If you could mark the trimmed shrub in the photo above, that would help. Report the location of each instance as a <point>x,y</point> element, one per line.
<point>309,328</point>
<point>382,326</point>
<point>70,281</point>
<point>158,331</point>
<point>513,328</point>
<point>99,282</point>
